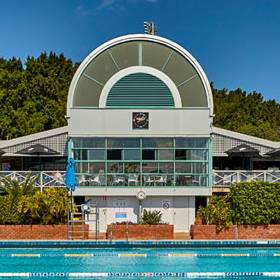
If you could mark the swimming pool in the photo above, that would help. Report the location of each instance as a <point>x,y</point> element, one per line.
<point>138,260</point>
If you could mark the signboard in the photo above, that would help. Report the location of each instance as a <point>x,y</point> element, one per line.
<point>120,215</point>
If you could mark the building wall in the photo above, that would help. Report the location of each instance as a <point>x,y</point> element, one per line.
<point>118,122</point>
<point>179,211</point>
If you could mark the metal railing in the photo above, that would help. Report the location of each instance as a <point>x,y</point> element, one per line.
<point>224,178</point>
<point>221,178</point>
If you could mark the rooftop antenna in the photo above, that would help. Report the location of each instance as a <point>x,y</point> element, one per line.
<point>150,28</point>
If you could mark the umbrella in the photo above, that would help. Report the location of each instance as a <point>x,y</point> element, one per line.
<point>38,149</point>
<point>70,180</point>
<point>243,150</point>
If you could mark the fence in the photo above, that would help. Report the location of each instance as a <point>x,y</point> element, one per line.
<point>221,178</point>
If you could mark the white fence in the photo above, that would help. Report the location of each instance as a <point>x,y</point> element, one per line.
<point>221,178</point>
<point>229,177</point>
<point>43,178</point>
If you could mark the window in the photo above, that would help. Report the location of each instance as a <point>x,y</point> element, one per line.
<point>114,154</point>
<point>148,154</point>
<point>180,154</point>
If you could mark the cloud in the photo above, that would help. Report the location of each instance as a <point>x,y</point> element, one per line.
<point>106,4</point>
<point>115,5</point>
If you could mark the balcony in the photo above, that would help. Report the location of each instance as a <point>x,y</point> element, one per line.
<point>222,179</point>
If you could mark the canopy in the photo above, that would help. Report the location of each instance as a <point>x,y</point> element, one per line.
<point>37,149</point>
<point>70,175</point>
<point>2,152</point>
<point>243,150</point>
<point>274,153</point>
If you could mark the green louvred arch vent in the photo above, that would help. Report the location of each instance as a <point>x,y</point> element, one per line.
<point>140,90</point>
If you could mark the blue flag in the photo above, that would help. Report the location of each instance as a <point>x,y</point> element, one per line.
<point>70,180</point>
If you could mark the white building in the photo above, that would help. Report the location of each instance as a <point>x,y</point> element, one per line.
<point>140,114</point>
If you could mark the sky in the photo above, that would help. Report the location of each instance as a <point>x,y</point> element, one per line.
<point>237,42</point>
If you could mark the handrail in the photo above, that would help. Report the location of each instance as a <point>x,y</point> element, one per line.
<point>221,178</point>
<point>224,178</point>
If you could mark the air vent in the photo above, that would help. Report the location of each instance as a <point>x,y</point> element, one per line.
<point>140,90</point>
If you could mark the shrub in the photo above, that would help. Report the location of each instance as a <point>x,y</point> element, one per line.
<point>218,212</point>
<point>47,207</point>
<point>256,203</point>
<point>21,203</point>
<point>151,217</point>
<point>247,203</point>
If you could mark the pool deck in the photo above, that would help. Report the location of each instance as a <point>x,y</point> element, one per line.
<point>137,244</point>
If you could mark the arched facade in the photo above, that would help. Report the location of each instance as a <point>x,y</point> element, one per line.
<point>140,54</point>
<point>139,116</point>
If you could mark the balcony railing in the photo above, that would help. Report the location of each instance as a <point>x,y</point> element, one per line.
<point>43,178</point>
<point>224,178</point>
<point>221,178</point>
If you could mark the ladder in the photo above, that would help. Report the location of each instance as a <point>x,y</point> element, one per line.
<point>83,224</point>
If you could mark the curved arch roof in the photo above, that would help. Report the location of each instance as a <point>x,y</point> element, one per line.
<point>181,70</point>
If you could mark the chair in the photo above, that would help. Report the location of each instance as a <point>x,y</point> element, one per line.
<point>96,180</point>
<point>148,180</point>
<point>132,178</point>
<point>161,180</point>
<point>118,180</point>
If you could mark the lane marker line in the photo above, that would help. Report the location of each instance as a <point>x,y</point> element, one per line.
<point>26,255</point>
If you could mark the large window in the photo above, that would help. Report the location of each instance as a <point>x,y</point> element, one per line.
<point>147,162</point>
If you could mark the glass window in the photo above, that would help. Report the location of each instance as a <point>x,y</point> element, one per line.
<point>77,154</point>
<point>166,167</point>
<point>191,143</point>
<point>183,167</point>
<point>149,167</point>
<point>123,142</point>
<point>157,142</point>
<point>196,154</point>
<point>148,154</point>
<point>84,154</point>
<point>165,154</point>
<point>97,168</point>
<point>114,167</point>
<point>81,167</point>
<point>96,154</point>
<point>87,142</point>
<point>131,154</point>
<point>114,154</point>
<point>180,155</point>
<point>133,167</point>
<point>199,167</point>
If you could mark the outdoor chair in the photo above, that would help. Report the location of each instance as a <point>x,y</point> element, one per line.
<point>132,178</point>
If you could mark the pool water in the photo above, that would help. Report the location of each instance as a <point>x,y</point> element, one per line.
<point>59,262</point>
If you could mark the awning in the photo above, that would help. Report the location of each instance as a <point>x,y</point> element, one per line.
<point>37,149</point>
<point>243,150</point>
<point>274,153</point>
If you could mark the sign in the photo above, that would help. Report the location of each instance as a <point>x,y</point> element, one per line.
<point>120,215</point>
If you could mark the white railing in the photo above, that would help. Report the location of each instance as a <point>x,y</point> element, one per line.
<point>221,178</point>
<point>43,178</point>
<point>225,178</point>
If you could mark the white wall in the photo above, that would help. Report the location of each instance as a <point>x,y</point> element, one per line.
<point>180,213</point>
<point>118,122</point>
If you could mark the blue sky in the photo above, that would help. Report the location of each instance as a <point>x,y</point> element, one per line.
<point>237,42</point>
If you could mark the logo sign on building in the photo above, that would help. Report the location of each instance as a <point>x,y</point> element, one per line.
<point>140,120</point>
